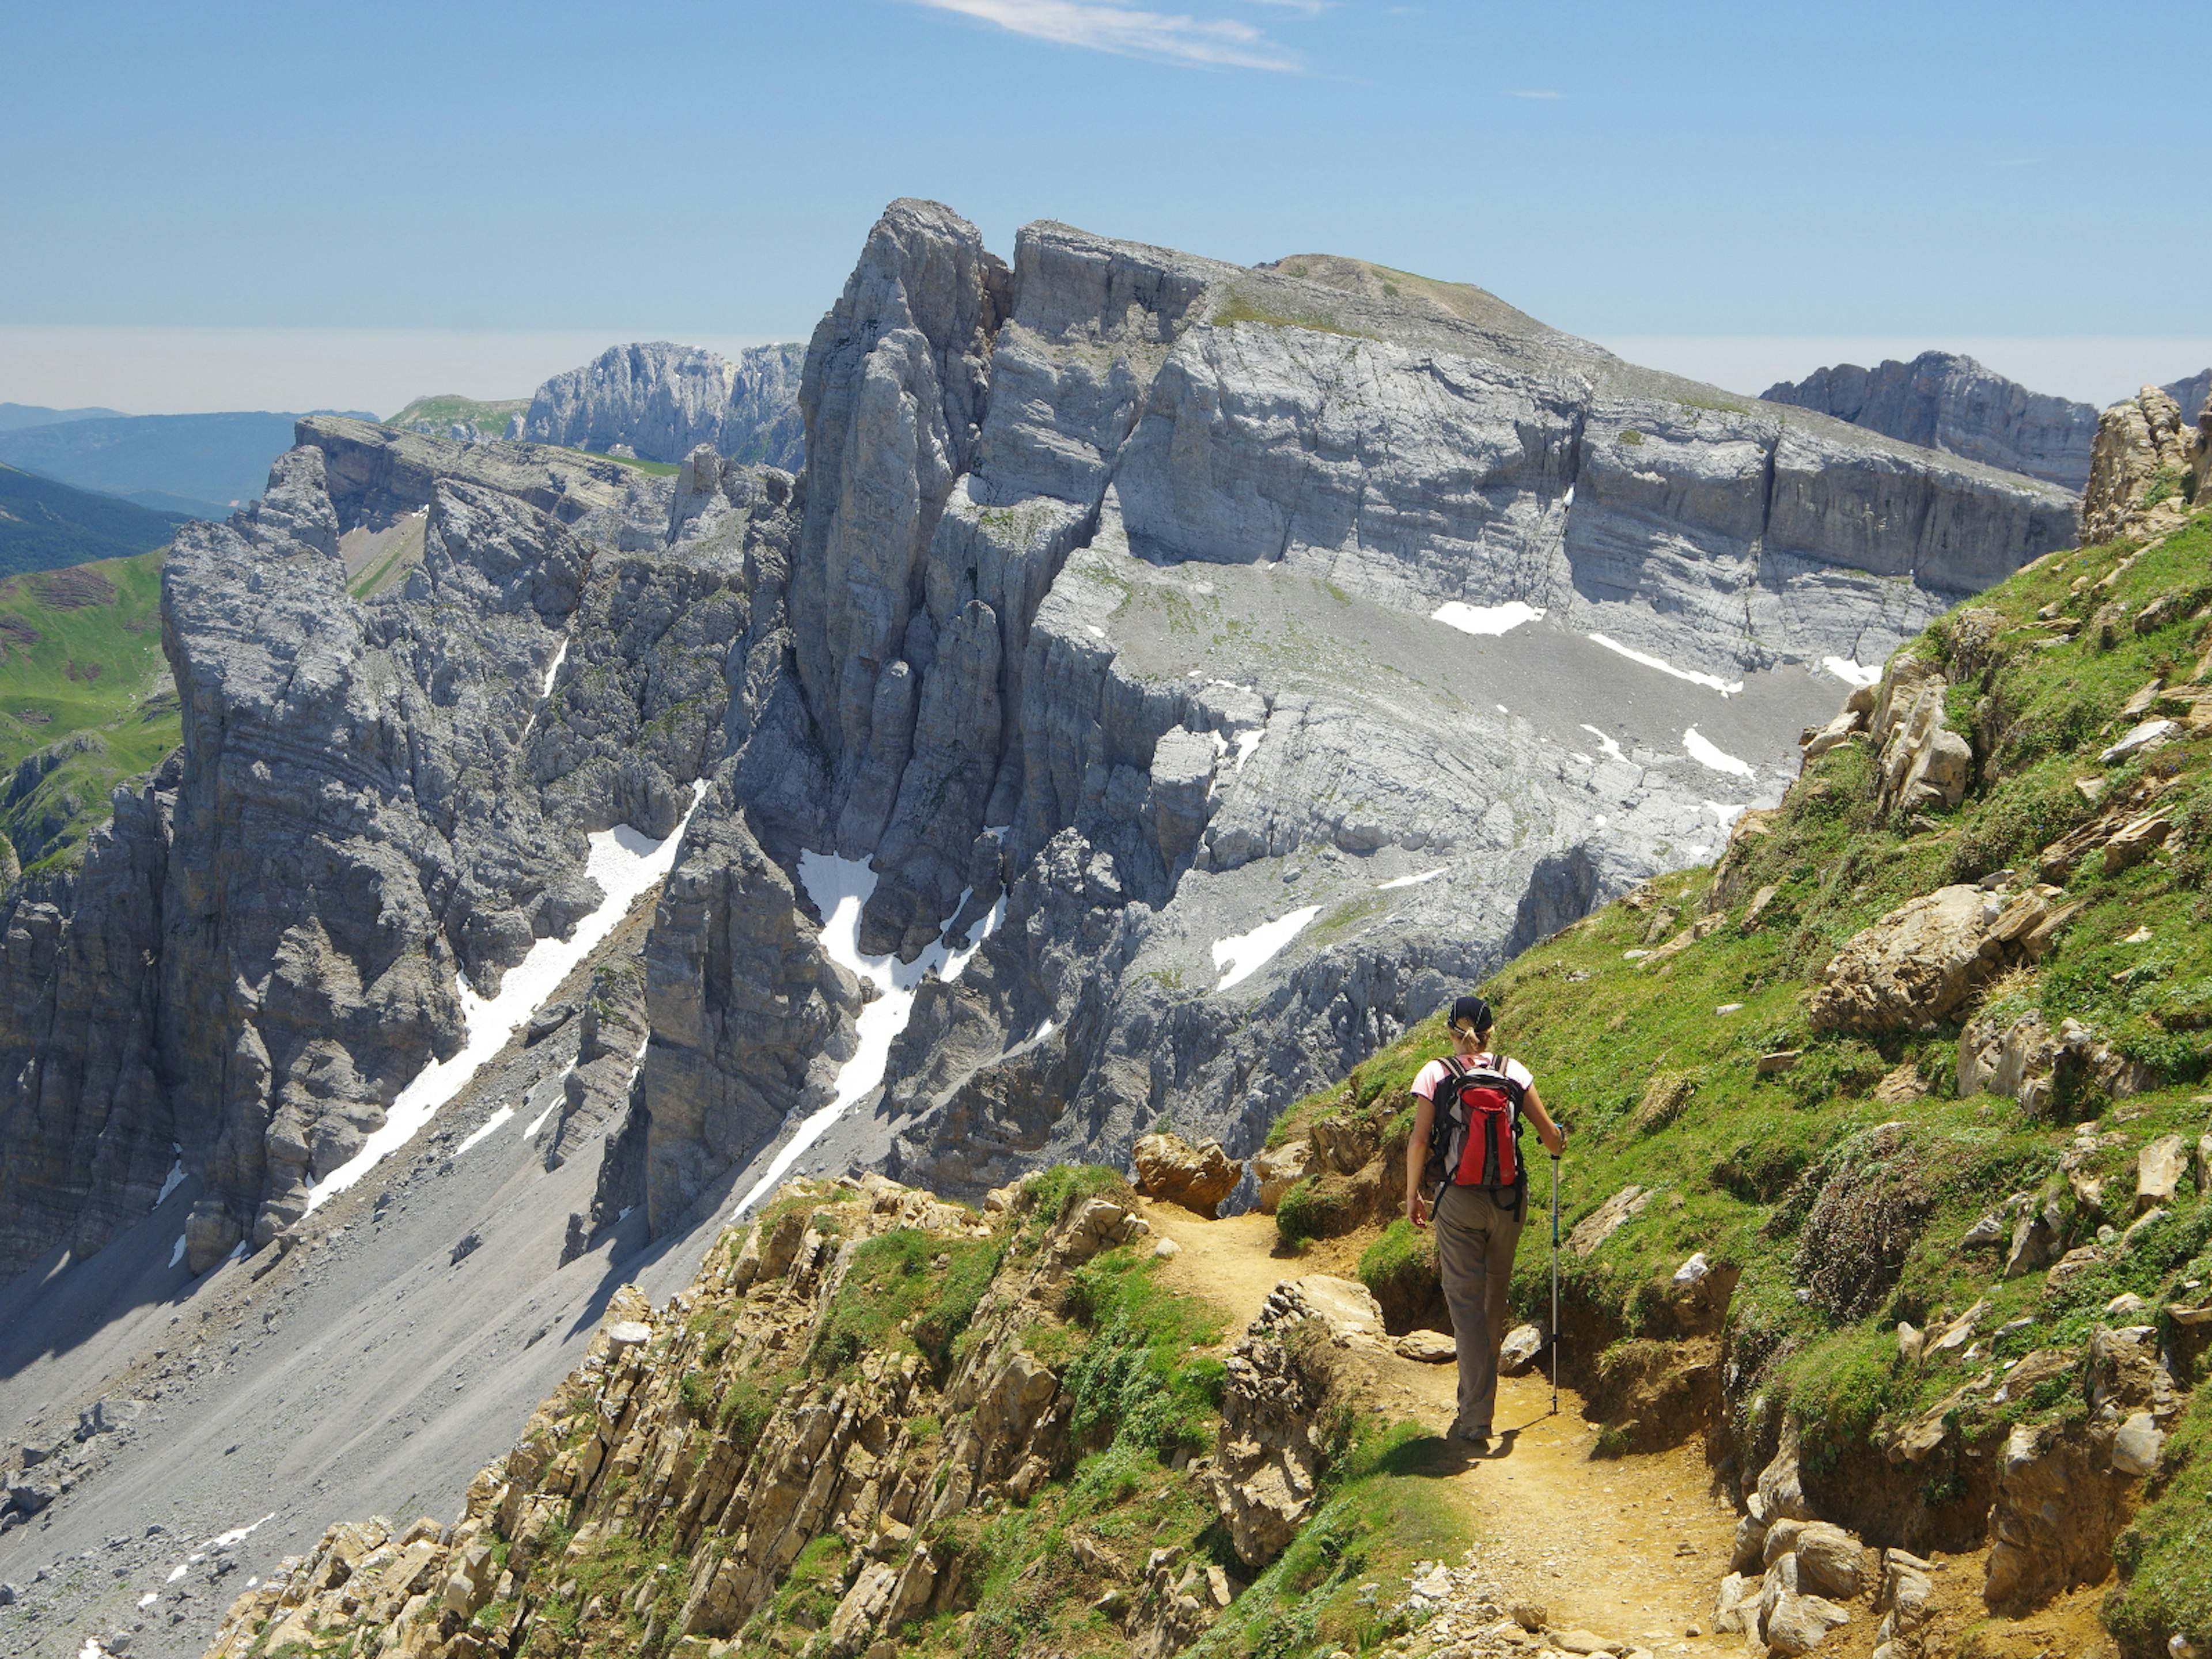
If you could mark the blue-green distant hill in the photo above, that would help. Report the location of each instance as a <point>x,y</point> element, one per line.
<point>13,415</point>
<point>44,525</point>
<point>198,465</point>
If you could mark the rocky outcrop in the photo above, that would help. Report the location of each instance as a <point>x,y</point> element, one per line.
<point>2150,461</point>
<point>1196,1178</point>
<point>1923,764</point>
<point>1274,1443</point>
<point>1947,401</point>
<point>1924,959</point>
<point>731,1430</point>
<point>2022,1058</point>
<point>661,401</point>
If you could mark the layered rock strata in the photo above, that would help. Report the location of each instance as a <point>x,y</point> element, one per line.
<point>1109,636</point>
<point>662,401</point>
<point>1947,401</point>
<point>681,1485</point>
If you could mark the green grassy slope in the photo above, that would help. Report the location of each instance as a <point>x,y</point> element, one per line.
<point>1736,1161</point>
<point>44,525</point>
<point>450,409</point>
<point>85,697</point>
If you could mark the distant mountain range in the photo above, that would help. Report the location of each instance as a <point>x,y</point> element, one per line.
<point>44,525</point>
<point>200,466</point>
<point>660,401</point>
<point>1945,400</point>
<point>16,415</point>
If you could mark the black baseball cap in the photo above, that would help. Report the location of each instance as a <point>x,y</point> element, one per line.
<point>1471,1012</point>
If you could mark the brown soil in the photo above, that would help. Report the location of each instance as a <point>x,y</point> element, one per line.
<point>74,589</point>
<point>1632,1547</point>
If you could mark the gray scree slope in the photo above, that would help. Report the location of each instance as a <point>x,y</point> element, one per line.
<point>1099,625</point>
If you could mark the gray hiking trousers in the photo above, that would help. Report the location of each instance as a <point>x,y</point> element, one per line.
<point>1476,1237</point>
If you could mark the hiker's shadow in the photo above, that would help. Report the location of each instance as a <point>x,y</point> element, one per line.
<point>1439,1457</point>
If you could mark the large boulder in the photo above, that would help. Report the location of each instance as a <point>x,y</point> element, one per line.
<point>1196,1178</point>
<point>1829,1561</point>
<point>1280,1169</point>
<point>1920,963</point>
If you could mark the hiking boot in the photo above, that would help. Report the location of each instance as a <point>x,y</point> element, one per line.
<point>1477,1437</point>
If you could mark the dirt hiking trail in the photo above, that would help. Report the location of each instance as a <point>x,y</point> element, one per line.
<point>1631,1548</point>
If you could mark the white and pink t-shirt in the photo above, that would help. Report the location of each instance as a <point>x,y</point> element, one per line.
<point>1425,1081</point>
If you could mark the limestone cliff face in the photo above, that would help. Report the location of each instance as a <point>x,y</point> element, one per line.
<point>379,806</point>
<point>2150,462</point>
<point>1103,626</point>
<point>664,400</point>
<point>1947,401</point>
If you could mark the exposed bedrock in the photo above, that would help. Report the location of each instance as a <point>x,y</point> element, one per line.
<point>1945,400</point>
<point>662,401</point>
<point>1099,627</point>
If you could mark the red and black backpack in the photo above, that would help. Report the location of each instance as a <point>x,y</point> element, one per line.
<point>1474,1138</point>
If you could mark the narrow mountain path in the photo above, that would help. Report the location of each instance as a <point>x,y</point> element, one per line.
<point>1633,1548</point>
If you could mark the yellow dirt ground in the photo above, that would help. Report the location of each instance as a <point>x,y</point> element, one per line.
<point>1631,1547</point>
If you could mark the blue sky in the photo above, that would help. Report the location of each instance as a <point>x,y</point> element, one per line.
<point>480,188</point>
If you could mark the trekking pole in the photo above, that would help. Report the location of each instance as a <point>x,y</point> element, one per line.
<point>1555,1283</point>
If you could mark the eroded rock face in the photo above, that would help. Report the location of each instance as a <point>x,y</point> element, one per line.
<point>974,651</point>
<point>2023,1058</point>
<point>2145,451</point>
<point>1926,958</point>
<point>1947,401</point>
<point>1924,764</point>
<point>2056,1515</point>
<point>1273,1450</point>
<point>1196,1178</point>
<point>664,400</point>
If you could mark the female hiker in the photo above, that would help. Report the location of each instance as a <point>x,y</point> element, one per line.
<point>1483,1193</point>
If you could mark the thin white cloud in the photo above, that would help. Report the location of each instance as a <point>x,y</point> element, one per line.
<point>1175,38</point>
<point>1545,96</point>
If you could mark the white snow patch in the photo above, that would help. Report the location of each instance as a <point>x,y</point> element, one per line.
<point>626,864</point>
<point>484,1131</point>
<point>1568,500</point>
<point>1096,631</point>
<point>150,1598</point>
<point>174,1179</point>
<point>177,1253</point>
<point>92,1649</point>
<point>1502,710</point>
<point>1612,749</point>
<point>1706,752</point>
<point>554,1104</point>
<point>1599,822</point>
<point>560,656</point>
<point>997,831</point>
<point>956,961</point>
<point>1579,754</point>
<point>1486,619</point>
<point>1246,743</point>
<point>1728,815</point>
<point>1852,673</point>
<point>840,889</point>
<point>175,1573</point>
<point>1241,958</point>
<point>1412,881</point>
<point>1725,688</point>
<point>238,1534</point>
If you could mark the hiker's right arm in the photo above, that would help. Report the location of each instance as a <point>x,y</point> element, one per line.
<point>1417,1158</point>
